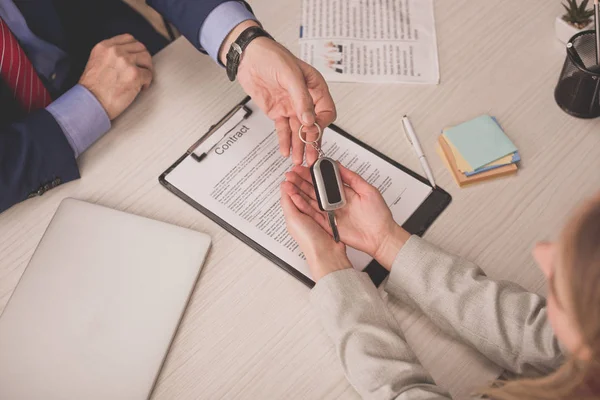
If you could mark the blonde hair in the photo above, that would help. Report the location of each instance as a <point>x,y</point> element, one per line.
<point>575,379</point>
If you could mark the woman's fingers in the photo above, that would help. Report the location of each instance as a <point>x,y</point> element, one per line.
<point>290,211</point>
<point>305,189</point>
<point>302,204</point>
<point>303,172</point>
<point>302,184</point>
<point>303,179</point>
<point>355,181</point>
<point>310,202</point>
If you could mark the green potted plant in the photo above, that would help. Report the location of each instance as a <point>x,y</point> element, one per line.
<point>577,18</point>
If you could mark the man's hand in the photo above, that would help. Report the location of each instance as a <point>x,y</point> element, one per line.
<point>365,223</point>
<point>288,90</point>
<point>118,69</point>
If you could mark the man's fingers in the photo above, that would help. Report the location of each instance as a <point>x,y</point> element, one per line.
<point>143,60</point>
<point>122,39</point>
<point>144,77</point>
<point>141,66</point>
<point>134,47</point>
<point>325,112</point>
<point>297,144</point>
<point>311,134</point>
<point>284,134</point>
<point>311,153</point>
<point>324,106</point>
<point>326,118</point>
<point>301,98</point>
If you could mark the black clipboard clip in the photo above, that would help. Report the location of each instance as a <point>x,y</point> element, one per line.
<point>230,122</point>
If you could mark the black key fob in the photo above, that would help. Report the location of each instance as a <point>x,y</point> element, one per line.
<point>329,187</point>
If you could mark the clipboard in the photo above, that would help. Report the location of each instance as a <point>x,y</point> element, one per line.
<point>416,224</point>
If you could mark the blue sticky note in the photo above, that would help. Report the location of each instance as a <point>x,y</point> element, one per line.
<point>480,141</point>
<point>515,158</point>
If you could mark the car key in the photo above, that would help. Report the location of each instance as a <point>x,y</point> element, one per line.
<point>329,188</point>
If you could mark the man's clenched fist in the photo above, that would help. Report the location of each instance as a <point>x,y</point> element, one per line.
<point>118,69</point>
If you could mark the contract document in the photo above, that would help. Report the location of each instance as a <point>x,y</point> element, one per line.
<point>381,41</point>
<point>234,176</point>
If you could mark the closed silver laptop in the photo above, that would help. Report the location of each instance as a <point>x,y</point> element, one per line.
<point>98,305</point>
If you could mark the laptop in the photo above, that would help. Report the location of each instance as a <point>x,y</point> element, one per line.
<point>96,309</point>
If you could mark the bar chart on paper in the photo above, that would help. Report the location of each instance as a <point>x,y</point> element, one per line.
<point>371,41</point>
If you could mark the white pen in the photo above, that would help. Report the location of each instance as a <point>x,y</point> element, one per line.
<point>412,138</point>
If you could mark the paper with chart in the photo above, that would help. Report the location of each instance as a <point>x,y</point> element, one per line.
<point>381,41</point>
<point>239,181</point>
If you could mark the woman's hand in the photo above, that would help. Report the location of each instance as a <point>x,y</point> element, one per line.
<point>365,223</point>
<point>322,253</point>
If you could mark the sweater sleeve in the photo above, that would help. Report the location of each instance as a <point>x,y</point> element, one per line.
<point>503,321</point>
<point>375,357</point>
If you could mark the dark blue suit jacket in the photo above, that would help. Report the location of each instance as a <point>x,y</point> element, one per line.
<point>35,155</point>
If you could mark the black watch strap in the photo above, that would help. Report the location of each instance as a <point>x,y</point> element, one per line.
<point>234,56</point>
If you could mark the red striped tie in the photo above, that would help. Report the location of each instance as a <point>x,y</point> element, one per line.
<point>16,70</point>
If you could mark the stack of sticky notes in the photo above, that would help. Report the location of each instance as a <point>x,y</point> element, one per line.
<point>478,150</point>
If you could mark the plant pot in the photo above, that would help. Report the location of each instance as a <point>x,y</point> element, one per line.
<point>565,31</point>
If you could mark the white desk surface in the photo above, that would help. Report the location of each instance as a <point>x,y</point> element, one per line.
<point>249,331</point>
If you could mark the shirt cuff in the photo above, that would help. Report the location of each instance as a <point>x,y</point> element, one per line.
<point>81,117</point>
<point>219,23</point>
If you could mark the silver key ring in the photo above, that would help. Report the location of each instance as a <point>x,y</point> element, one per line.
<point>313,141</point>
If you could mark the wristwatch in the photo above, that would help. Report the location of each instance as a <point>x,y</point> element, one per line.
<point>234,56</point>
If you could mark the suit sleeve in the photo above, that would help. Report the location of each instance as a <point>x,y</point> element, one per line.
<point>376,359</point>
<point>35,156</point>
<point>503,321</point>
<point>188,16</point>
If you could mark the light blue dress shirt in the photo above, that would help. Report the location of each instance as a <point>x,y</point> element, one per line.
<point>219,23</point>
<point>80,115</point>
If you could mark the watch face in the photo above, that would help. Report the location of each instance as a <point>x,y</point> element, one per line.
<point>332,188</point>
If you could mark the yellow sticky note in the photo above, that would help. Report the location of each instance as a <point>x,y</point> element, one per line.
<point>461,163</point>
